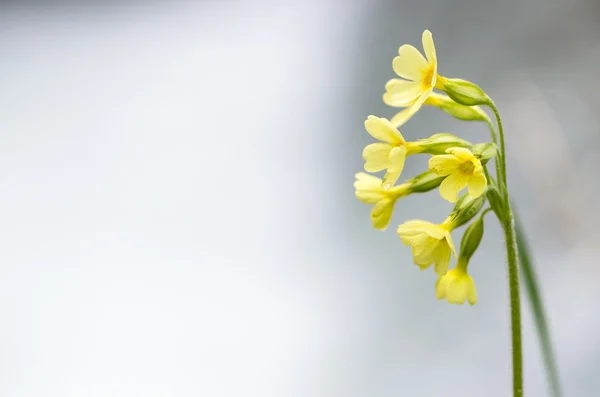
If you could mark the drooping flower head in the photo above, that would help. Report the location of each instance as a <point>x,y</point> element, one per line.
<point>456,286</point>
<point>369,191</point>
<point>390,153</point>
<point>462,169</point>
<point>418,77</point>
<point>430,243</point>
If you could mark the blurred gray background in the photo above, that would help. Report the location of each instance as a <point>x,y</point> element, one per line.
<point>178,216</point>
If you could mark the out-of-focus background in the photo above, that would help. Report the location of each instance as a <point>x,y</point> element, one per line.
<point>177,212</point>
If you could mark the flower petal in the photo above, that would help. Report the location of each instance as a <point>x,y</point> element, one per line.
<point>403,94</point>
<point>461,153</point>
<point>413,227</point>
<point>381,129</point>
<point>472,292</point>
<point>416,105</point>
<point>443,164</point>
<point>440,287</point>
<point>382,213</point>
<point>450,187</point>
<point>457,290</point>
<point>429,47</point>
<point>410,63</point>
<point>442,258</point>
<point>450,243</point>
<point>368,188</point>
<point>397,157</point>
<point>400,118</point>
<point>428,252</point>
<point>392,83</point>
<point>376,156</point>
<point>477,184</point>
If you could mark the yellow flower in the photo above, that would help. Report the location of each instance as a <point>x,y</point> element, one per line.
<point>390,153</point>
<point>456,286</point>
<point>430,243</point>
<point>369,191</point>
<point>463,169</point>
<point>418,77</point>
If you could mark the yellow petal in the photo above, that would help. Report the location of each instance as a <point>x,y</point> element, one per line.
<point>429,47</point>
<point>382,213</point>
<point>403,94</point>
<point>442,258</point>
<point>410,63</point>
<point>377,156</point>
<point>450,187</point>
<point>392,83</point>
<point>416,105</point>
<point>477,184</point>
<point>444,164</point>
<point>456,290</point>
<point>450,243</point>
<point>440,288</point>
<point>472,293</point>
<point>397,158</point>
<point>368,188</point>
<point>400,118</point>
<point>461,153</point>
<point>413,227</point>
<point>381,129</point>
<point>427,254</point>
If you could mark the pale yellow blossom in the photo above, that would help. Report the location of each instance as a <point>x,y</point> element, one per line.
<point>463,169</point>
<point>457,286</point>
<point>430,243</point>
<point>418,77</point>
<point>369,191</point>
<point>390,153</point>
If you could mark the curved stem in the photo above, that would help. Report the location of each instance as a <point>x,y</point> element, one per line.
<point>508,225</point>
<point>502,171</point>
<point>495,140</point>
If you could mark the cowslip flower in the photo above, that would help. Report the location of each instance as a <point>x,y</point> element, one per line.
<point>418,76</point>
<point>369,191</point>
<point>463,169</point>
<point>390,153</point>
<point>457,286</point>
<point>430,243</point>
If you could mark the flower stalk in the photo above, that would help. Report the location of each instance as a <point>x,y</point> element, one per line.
<point>454,165</point>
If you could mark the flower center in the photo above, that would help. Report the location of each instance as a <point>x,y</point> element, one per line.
<point>466,168</point>
<point>427,78</point>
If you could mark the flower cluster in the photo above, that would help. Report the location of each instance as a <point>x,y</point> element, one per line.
<point>454,165</point>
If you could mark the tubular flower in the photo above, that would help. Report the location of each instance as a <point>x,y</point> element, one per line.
<point>430,243</point>
<point>369,191</point>
<point>418,76</point>
<point>462,169</point>
<point>390,153</point>
<point>456,286</point>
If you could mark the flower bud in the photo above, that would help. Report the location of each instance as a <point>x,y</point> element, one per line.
<point>463,92</point>
<point>438,143</point>
<point>471,240</point>
<point>456,110</point>
<point>425,182</point>
<point>484,151</point>
<point>496,202</point>
<point>465,209</point>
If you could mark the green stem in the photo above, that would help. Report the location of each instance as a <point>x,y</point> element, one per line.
<point>508,225</point>
<point>495,140</point>
<point>515,302</point>
<point>502,160</point>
